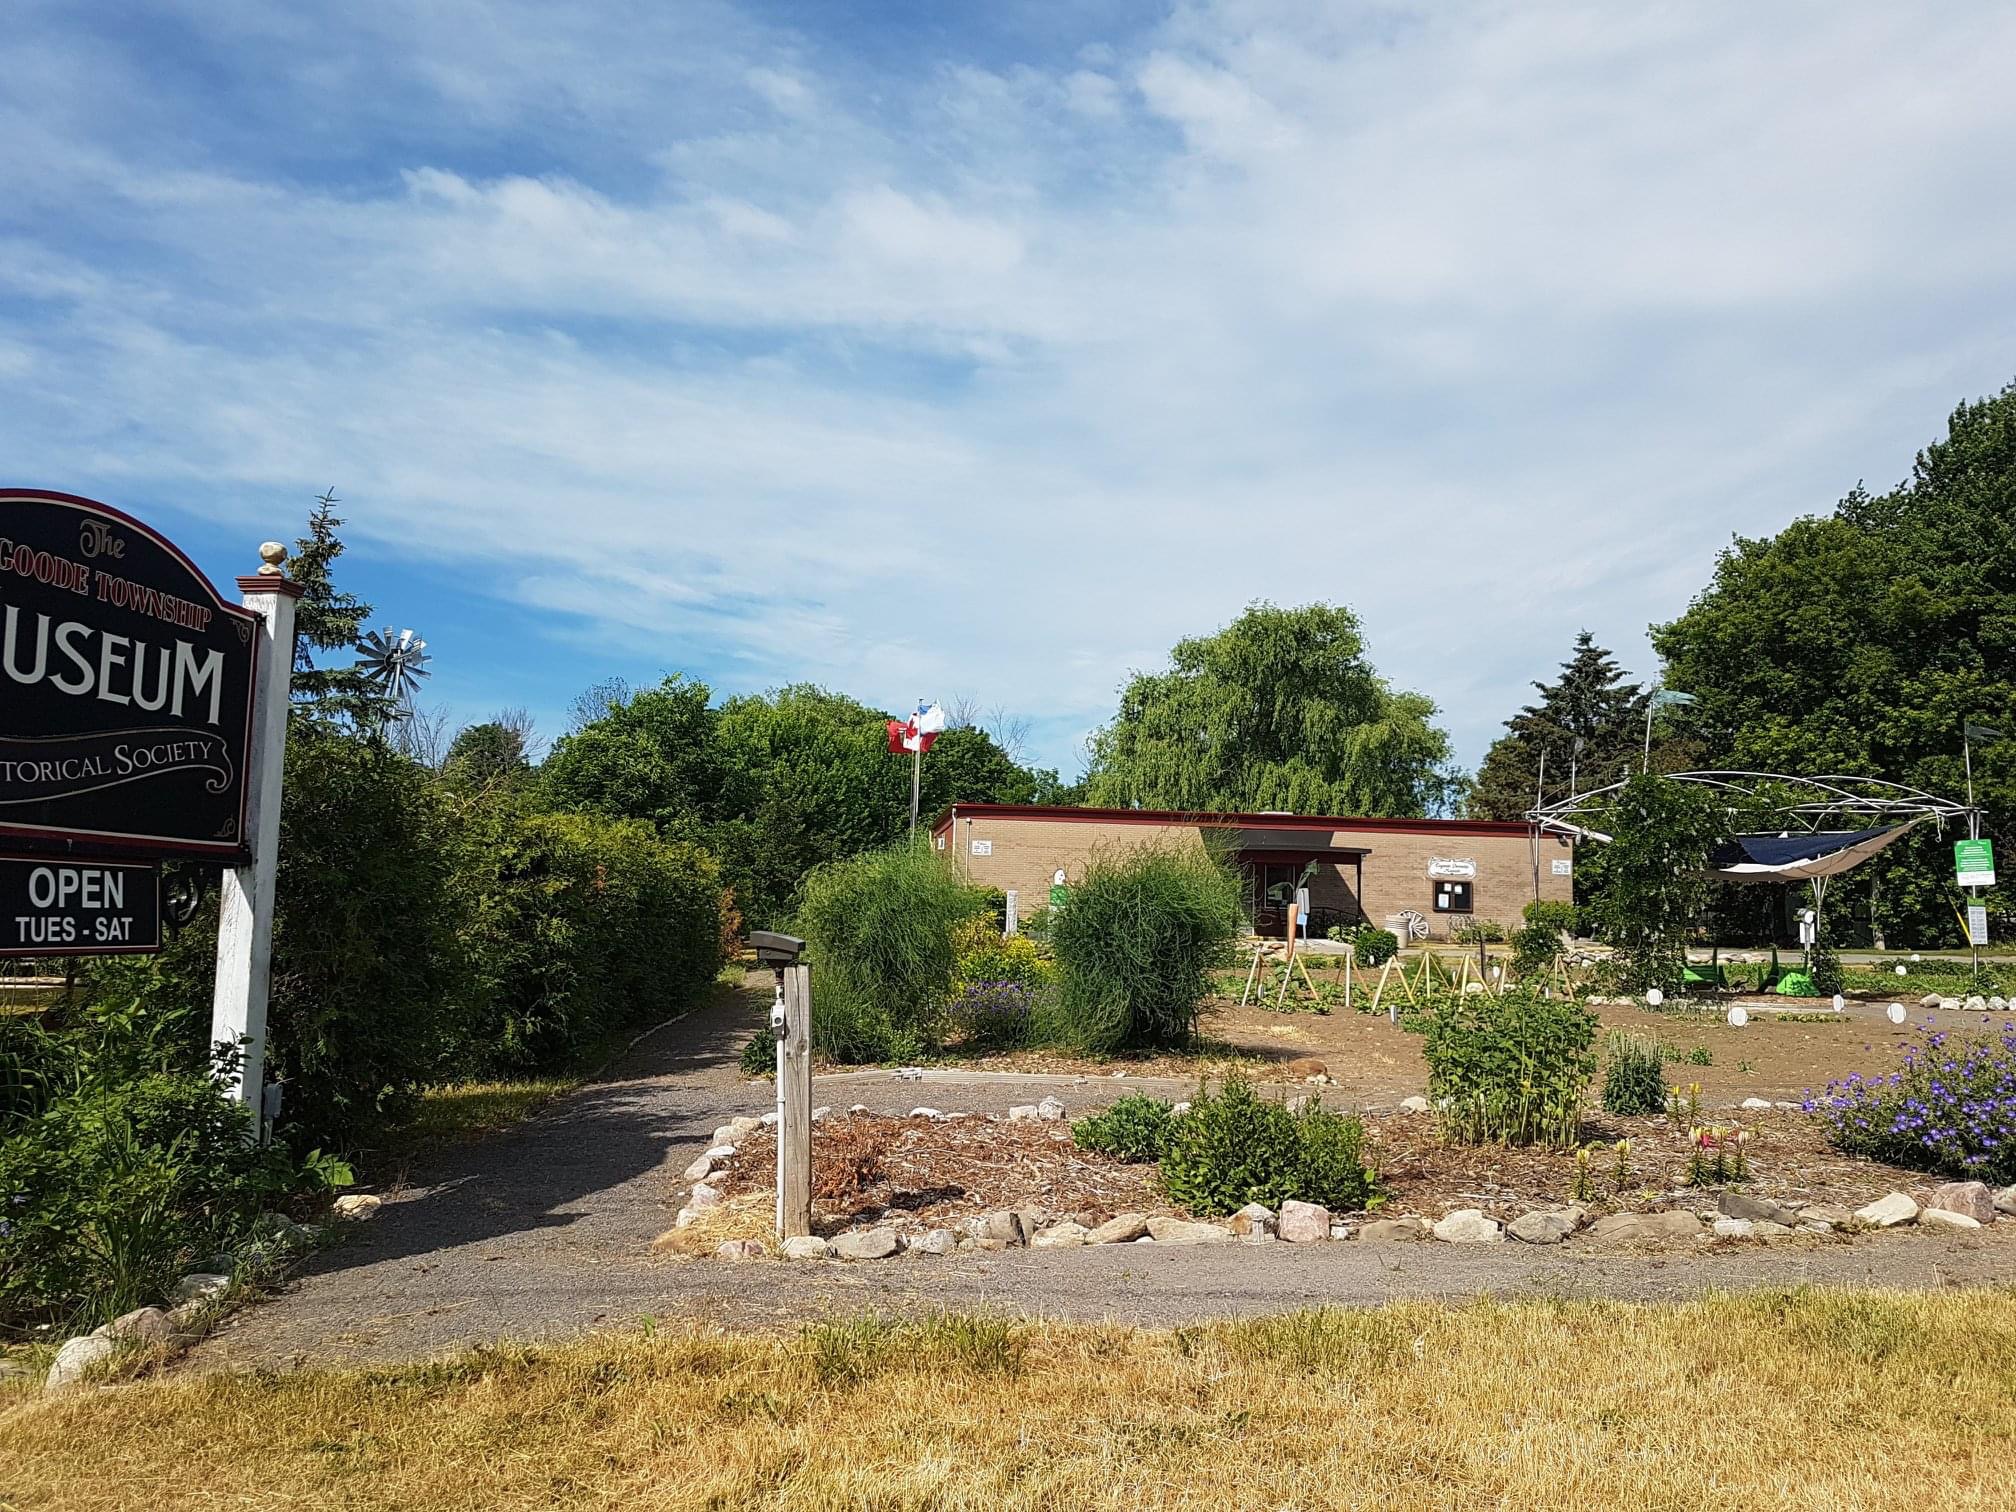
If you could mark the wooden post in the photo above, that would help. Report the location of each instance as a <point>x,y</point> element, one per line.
<point>794,1106</point>
<point>1350,954</point>
<point>245,915</point>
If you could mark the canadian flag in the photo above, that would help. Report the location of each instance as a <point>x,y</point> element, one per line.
<point>918,732</point>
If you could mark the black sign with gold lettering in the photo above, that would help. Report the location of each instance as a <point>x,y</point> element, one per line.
<point>125,687</point>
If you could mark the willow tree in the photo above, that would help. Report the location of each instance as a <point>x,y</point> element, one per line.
<point>1279,710</point>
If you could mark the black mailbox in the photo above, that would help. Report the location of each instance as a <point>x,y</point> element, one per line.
<point>772,949</point>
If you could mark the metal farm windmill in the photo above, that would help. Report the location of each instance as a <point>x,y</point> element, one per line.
<point>394,663</point>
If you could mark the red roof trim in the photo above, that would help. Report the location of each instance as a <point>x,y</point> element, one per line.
<point>1070,815</point>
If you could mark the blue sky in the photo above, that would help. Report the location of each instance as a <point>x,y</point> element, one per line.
<point>985,351</point>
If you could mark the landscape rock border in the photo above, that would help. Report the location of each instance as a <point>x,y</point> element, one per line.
<point>1736,1216</point>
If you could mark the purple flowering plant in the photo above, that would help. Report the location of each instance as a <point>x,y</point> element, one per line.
<point>1949,1108</point>
<point>993,1013</point>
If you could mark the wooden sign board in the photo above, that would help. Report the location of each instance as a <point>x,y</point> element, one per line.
<point>50,906</point>
<point>125,688</point>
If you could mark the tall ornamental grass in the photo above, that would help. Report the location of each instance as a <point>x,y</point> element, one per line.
<point>1136,944</point>
<point>880,930</point>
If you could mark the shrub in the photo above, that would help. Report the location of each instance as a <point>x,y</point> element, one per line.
<point>1950,1108</point>
<point>1535,949</point>
<point>1136,948</point>
<point>879,927</point>
<point>1237,1147</point>
<point>1555,913</point>
<point>1511,1069</point>
<point>992,1015</point>
<point>1634,1077</point>
<point>1137,1127</point>
<point>1478,931</point>
<point>981,953</point>
<point>586,925</point>
<point>759,1054</point>
<point>1654,882</point>
<point>1374,947</point>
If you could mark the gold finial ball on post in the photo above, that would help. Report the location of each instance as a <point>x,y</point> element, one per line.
<point>271,555</point>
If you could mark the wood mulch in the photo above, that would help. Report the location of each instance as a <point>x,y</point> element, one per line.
<point>924,1173</point>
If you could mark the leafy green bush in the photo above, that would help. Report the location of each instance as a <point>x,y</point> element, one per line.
<point>1634,1077</point>
<point>1535,949</point>
<point>1374,947</point>
<point>1236,1147</point>
<point>1476,931</point>
<point>1654,882</point>
<point>1137,1127</point>
<point>1554,913</point>
<point>759,1055</point>
<point>586,925</point>
<point>879,927</point>
<point>1136,948</point>
<point>1511,1069</point>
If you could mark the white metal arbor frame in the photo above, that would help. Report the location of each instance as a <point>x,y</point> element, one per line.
<point>1803,805</point>
<point>1806,805</point>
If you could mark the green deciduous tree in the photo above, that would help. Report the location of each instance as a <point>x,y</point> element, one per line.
<point>1279,710</point>
<point>1858,642</point>
<point>1588,722</point>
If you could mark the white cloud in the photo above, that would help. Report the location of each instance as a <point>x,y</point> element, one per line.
<point>1492,321</point>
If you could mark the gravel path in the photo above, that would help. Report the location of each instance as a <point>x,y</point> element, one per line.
<point>544,1231</point>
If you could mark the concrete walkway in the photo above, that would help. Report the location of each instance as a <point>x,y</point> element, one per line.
<point>544,1231</point>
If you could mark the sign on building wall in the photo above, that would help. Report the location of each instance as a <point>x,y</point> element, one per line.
<point>125,687</point>
<point>982,847</point>
<point>1564,868</point>
<point>1452,868</point>
<point>51,906</point>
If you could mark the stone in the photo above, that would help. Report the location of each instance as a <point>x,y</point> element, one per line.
<point>1734,1228</point>
<point>741,1125</point>
<point>703,1165</point>
<point>1065,1235</point>
<point>1022,1113</point>
<point>1340,1231</point>
<point>806,1247</point>
<point>75,1358</point>
<point>200,1286</point>
<point>724,1135</point>
<point>703,1197</point>
<point>1931,1000</point>
<point>1122,1229</point>
<point>1942,1218</point>
<point>1393,1230</point>
<point>684,1217</point>
<point>927,1112</point>
<point>1469,1226</point>
<point>1998,1003</point>
<point>1741,1205</point>
<point>2005,1201</point>
<point>1177,1110</point>
<point>860,1108</point>
<point>940,1241</point>
<point>1254,1221</point>
<point>1764,1228</point>
<point>1182,1231</point>
<point>188,1318</point>
<point>1756,1105</point>
<point>1888,1211</point>
<point>820,1115</point>
<point>1004,1228</point>
<point>1302,1100</point>
<point>1950,1004</point>
<point>140,1327</point>
<point>1414,1105</point>
<point>1647,1228</point>
<point>1550,1227</point>
<point>867,1244</point>
<point>767,1121</point>
<point>1971,1198</point>
<point>739,1249</point>
<point>1050,1110</point>
<point>356,1207</point>
<point>1824,1219</point>
<point>1303,1222</point>
<point>1975,1003</point>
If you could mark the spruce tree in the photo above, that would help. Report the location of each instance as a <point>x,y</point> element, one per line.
<point>1591,702</point>
<point>329,621</point>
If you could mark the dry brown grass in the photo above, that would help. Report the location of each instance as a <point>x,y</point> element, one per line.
<point>1815,1399</point>
<point>753,1216</point>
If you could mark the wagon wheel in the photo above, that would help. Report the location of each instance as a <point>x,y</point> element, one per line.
<point>1414,924</point>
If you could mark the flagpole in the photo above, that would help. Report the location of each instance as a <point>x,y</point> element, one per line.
<point>916,784</point>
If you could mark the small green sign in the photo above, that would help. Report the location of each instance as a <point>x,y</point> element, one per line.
<point>1974,861</point>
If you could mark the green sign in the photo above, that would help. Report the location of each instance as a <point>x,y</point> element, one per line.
<point>1974,861</point>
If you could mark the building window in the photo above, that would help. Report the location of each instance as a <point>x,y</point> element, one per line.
<point>1452,897</point>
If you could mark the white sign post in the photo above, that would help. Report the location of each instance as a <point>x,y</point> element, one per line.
<point>245,918</point>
